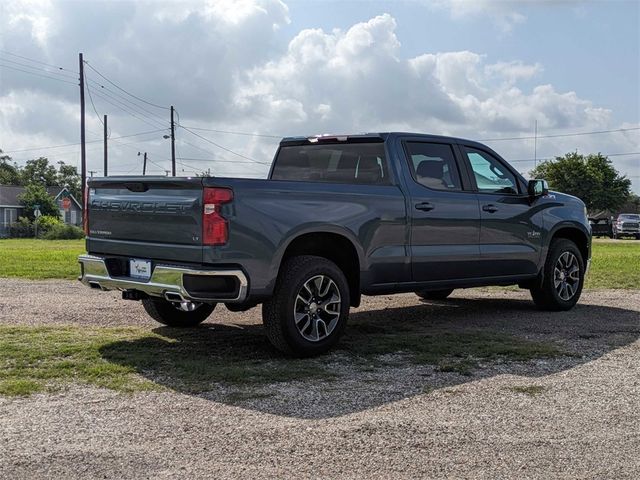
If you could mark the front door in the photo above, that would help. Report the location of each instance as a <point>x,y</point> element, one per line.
<point>445,218</point>
<point>510,227</point>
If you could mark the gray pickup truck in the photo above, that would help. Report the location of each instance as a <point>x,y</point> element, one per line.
<point>338,217</point>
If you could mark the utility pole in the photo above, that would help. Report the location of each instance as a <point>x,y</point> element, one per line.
<point>104,122</point>
<point>144,163</point>
<point>535,145</point>
<point>167,172</point>
<point>83,151</point>
<point>173,144</point>
<point>91,172</point>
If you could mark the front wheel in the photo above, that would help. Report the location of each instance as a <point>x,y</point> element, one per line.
<point>177,314</point>
<point>309,308</point>
<point>562,278</point>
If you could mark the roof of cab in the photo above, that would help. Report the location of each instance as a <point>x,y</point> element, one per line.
<point>370,136</point>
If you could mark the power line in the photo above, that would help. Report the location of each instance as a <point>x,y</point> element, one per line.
<point>220,146</point>
<point>38,74</point>
<point>40,69</point>
<point>121,106</point>
<point>38,61</point>
<point>90,141</point>
<point>112,94</point>
<point>93,104</point>
<point>551,158</point>
<point>560,135</point>
<point>191,159</point>
<point>234,133</point>
<point>125,91</point>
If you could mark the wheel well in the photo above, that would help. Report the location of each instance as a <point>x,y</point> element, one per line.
<point>577,237</point>
<point>334,247</point>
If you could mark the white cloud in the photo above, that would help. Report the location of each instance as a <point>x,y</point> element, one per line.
<point>225,66</point>
<point>506,14</point>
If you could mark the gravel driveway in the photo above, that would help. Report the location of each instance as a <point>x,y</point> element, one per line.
<point>572,416</point>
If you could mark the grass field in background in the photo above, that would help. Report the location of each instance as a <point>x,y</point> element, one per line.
<point>40,259</point>
<point>615,263</point>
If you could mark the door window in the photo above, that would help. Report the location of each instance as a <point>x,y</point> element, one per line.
<point>434,165</point>
<point>490,174</point>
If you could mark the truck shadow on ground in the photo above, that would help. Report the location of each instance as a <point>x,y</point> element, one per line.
<point>385,355</point>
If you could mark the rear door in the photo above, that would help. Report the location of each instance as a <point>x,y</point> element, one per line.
<point>444,215</point>
<point>146,217</point>
<point>510,228</point>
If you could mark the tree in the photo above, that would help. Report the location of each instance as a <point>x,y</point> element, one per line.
<point>68,177</point>
<point>36,194</point>
<point>592,178</point>
<point>632,205</point>
<point>39,171</point>
<point>9,172</point>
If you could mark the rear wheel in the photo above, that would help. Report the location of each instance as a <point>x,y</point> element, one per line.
<point>562,277</point>
<point>177,314</point>
<point>434,294</point>
<point>309,308</point>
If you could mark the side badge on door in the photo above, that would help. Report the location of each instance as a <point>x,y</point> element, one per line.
<point>533,234</point>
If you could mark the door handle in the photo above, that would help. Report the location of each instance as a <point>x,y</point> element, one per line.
<point>490,208</point>
<point>424,206</point>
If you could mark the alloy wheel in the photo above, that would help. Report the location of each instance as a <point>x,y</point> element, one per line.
<point>566,276</point>
<point>317,308</point>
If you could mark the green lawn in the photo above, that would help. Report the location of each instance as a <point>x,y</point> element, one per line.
<point>39,259</point>
<point>615,263</point>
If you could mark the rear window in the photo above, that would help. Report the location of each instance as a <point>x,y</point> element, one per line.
<point>361,163</point>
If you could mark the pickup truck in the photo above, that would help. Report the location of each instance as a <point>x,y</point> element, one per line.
<point>627,224</point>
<point>338,217</point>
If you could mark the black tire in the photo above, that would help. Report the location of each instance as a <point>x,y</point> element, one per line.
<point>168,314</point>
<point>549,296</point>
<point>278,313</point>
<point>434,294</point>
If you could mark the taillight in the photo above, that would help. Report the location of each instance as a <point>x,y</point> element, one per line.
<point>215,228</point>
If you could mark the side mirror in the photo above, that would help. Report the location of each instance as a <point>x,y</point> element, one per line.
<point>537,188</point>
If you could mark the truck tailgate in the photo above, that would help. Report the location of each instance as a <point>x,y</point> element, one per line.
<point>146,217</point>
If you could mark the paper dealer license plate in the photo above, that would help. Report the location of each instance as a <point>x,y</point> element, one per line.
<point>140,269</point>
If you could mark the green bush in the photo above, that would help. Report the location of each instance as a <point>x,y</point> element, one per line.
<point>23,228</point>
<point>46,223</point>
<point>63,232</point>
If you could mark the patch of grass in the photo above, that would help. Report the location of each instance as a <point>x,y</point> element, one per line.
<point>458,352</point>
<point>615,264</point>
<point>531,390</point>
<point>43,359</point>
<point>40,259</point>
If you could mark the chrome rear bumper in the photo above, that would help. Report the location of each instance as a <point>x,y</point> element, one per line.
<point>166,281</point>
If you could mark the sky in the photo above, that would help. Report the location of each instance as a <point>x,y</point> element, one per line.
<point>263,69</point>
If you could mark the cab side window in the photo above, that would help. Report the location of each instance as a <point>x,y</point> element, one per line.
<point>434,166</point>
<point>490,174</point>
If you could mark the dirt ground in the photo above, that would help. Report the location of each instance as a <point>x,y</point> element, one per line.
<point>574,416</point>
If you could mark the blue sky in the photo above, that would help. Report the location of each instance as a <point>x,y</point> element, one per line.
<point>479,69</point>
<point>592,48</point>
